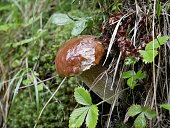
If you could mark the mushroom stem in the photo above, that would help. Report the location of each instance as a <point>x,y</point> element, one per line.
<point>99,81</point>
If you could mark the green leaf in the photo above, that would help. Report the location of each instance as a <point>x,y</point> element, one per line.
<point>158,9</point>
<point>150,114</point>
<point>27,81</point>
<point>140,75</point>
<point>82,96</point>
<point>92,117</point>
<point>40,86</point>
<point>166,106</point>
<point>77,117</point>
<point>157,42</point>
<point>79,27</point>
<point>128,74</point>
<point>16,63</point>
<point>17,86</point>
<point>89,22</point>
<point>134,110</point>
<point>131,82</point>
<point>140,121</point>
<point>130,60</point>
<point>34,80</point>
<point>148,56</point>
<point>60,19</point>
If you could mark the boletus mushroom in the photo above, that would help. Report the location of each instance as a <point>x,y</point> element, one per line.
<point>83,56</point>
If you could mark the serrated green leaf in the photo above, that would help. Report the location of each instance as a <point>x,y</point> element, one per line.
<point>92,117</point>
<point>134,110</point>
<point>148,56</point>
<point>140,75</point>
<point>77,117</point>
<point>131,82</point>
<point>60,19</point>
<point>82,96</point>
<point>140,121</point>
<point>166,106</point>
<point>157,42</point>
<point>79,27</point>
<point>128,74</point>
<point>150,114</point>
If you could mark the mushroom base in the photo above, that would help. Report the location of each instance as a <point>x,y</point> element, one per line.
<point>100,82</point>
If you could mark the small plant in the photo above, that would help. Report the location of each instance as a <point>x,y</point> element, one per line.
<point>166,106</point>
<point>132,77</point>
<point>142,112</point>
<point>130,60</point>
<point>150,51</point>
<point>90,111</point>
<point>80,24</point>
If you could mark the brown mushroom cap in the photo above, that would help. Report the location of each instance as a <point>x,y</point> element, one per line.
<point>78,54</point>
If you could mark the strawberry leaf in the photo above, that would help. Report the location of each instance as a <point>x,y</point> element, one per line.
<point>92,117</point>
<point>77,117</point>
<point>82,96</point>
<point>134,110</point>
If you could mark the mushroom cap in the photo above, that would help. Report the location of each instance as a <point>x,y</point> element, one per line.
<point>78,54</point>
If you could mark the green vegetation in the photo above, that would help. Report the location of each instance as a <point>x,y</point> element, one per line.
<point>24,113</point>
<point>136,40</point>
<point>150,51</point>
<point>132,77</point>
<point>90,111</point>
<point>140,121</point>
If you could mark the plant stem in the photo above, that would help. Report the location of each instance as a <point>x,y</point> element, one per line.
<point>112,96</point>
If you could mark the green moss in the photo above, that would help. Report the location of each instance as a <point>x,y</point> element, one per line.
<point>24,112</point>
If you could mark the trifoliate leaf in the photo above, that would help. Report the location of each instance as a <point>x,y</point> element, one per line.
<point>140,121</point>
<point>82,96</point>
<point>60,19</point>
<point>150,114</point>
<point>134,110</point>
<point>140,75</point>
<point>156,43</point>
<point>92,117</point>
<point>77,117</point>
<point>131,82</point>
<point>128,74</point>
<point>149,55</point>
<point>166,106</point>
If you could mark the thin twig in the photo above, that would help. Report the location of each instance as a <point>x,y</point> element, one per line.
<point>38,82</point>
<point>49,101</point>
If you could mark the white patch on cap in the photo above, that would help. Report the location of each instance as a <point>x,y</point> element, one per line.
<point>88,54</point>
<point>86,49</point>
